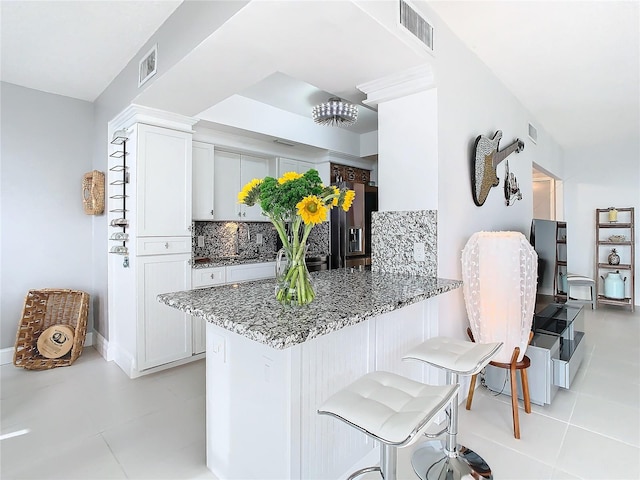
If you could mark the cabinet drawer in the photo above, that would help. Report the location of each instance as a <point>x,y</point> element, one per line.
<point>252,271</point>
<point>207,277</point>
<point>160,245</point>
<point>571,356</point>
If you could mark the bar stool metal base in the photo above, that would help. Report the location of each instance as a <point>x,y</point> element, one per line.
<point>431,462</point>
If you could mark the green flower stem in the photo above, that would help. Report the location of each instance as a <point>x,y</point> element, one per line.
<point>297,286</point>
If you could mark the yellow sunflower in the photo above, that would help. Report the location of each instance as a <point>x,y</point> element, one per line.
<point>247,190</point>
<point>312,210</point>
<point>334,201</point>
<point>286,177</point>
<point>349,195</point>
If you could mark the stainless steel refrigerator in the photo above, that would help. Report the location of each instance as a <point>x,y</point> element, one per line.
<point>350,231</point>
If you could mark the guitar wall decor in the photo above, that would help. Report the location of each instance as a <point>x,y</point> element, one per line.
<point>486,159</point>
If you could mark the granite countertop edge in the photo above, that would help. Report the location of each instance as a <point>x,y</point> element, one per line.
<point>250,310</point>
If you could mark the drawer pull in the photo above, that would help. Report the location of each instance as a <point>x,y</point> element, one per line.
<point>213,276</point>
<point>166,245</point>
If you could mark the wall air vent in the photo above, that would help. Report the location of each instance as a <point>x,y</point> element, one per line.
<point>284,142</point>
<point>533,133</point>
<point>416,25</point>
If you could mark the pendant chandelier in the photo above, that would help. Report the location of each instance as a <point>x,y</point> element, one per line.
<point>335,112</point>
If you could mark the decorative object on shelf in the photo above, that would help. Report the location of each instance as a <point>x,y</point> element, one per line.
<point>93,192</point>
<point>486,158</point>
<point>614,285</point>
<point>613,214</point>
<point>335,112</point>
<point>617,238</point>
<point>294,203</point>
<point>613,258</point>
<point>511,188</point>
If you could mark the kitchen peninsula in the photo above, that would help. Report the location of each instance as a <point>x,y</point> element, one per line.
<point>270,366</point>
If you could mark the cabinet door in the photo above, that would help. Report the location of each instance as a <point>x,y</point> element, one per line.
<point>250,168</point>
<point>163,182</point>
<point>304,166</point>
<point>226,186</point>
<point>203,179</point>
<point>199,335</point>
<point>164,334</point>
<point>287,165</point>
<point>251,271</point>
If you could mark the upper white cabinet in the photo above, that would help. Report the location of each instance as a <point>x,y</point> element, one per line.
<point>163,186</point>
<point>203,179</point>
<point>232,172</point>
<point>289,165</point>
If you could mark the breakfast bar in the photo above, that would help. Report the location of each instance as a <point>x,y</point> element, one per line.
<point>270,366</point>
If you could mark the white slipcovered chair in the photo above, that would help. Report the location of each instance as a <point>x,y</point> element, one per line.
<point>499,271</point>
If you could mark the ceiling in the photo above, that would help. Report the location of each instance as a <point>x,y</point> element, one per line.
<point>573,64</point>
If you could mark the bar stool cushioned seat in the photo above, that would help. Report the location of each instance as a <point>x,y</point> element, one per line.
<point>389,408</point>
<point>459,356</point>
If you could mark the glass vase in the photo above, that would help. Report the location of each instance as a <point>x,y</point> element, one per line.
<point>293,285</point>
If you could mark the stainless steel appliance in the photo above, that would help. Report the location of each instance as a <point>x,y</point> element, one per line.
<point>350,239</point>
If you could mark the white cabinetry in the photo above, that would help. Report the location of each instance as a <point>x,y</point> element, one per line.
<point>163,182</point>
<point>251,271</point>
<point>232,172</point>
<point>289,165</point>
<point>209,277</point>
<point>145,335</point>
<point>203,178</point>
<point>164,334</point>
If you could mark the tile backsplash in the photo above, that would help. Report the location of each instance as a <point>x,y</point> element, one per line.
<point>225,239</point>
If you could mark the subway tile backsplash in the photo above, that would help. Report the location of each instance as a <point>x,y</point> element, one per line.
<point>226,239</point>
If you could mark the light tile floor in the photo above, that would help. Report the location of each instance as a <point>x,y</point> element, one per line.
<point>90,421</point>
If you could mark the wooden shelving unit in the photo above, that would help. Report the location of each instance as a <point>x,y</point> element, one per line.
<point>625,225</point>
<point>560,274</point>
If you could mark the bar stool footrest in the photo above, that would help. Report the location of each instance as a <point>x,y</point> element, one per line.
<point>362,471</point>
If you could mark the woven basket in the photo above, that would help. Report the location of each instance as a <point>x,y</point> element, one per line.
<point>93,193</point>
<point>43,309</point>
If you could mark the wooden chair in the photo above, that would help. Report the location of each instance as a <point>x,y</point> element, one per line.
<point>513,366</point>
<point>499,271</point>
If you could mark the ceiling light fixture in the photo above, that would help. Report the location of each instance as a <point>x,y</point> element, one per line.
<point>335,112</point>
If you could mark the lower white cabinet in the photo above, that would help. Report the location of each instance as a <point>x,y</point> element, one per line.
<point>164,334</point>
<point>251,271</point>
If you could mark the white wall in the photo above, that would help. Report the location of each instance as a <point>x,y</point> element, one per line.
<point>601,177</point>
<point>46,236</point>
<point>408,152</point>
<point>471,102</point>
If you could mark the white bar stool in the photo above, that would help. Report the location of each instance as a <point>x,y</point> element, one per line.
<point>448,460</point>
<point>391,409</point>
<point>574,280</point>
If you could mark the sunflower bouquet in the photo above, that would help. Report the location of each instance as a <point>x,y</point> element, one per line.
<point>295,203</point>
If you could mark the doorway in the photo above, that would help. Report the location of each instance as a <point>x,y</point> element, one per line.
<point>547,195</point>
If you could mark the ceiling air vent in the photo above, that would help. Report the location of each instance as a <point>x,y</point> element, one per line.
<point>533,133</point>
<point>416,25</point>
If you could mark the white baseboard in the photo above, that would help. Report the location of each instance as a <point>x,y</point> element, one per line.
<point>6,354</point>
